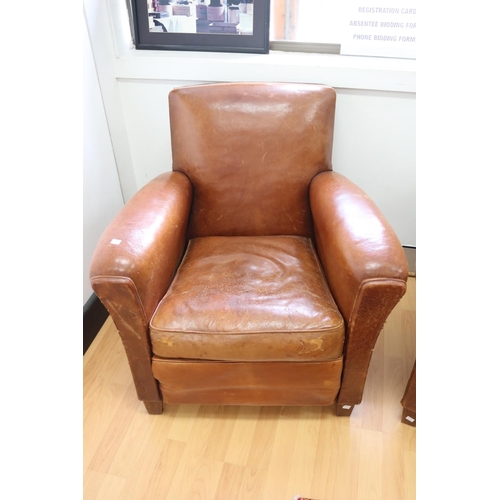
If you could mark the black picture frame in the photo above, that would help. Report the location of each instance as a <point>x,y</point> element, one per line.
<point>256,43</point>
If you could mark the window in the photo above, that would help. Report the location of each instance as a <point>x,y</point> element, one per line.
<point>304,21</point>
<point>304,26</point>
<point>356,27</point>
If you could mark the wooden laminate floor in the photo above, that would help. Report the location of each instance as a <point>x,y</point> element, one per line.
<point>234,453</point>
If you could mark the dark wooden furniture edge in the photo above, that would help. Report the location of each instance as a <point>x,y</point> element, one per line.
<point>94,316</point>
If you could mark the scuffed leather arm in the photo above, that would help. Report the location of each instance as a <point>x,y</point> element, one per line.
<point>365,266</point>
<point>150,231</point>
<point>134,262</point>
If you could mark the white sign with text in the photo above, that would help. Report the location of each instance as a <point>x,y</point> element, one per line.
<point>378,28</point>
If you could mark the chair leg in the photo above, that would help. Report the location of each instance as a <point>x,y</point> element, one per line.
<point>409,401</point>
<point>343,409</point>
<point>154,407</point>
<point>409,417</point>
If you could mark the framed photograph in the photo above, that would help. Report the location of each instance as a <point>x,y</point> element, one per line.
<point>202,25</point>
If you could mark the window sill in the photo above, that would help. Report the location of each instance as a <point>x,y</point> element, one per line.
<point>339,71</point>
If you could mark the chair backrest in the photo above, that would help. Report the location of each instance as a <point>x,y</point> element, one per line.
<point>251,151</point>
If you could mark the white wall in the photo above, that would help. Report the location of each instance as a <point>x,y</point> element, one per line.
<point>102,197</point>
<point>375,121</point>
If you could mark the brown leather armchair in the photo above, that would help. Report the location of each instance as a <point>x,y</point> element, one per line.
<point>252,274</point>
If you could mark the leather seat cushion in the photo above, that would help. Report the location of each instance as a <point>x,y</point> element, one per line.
<point>248,298</point>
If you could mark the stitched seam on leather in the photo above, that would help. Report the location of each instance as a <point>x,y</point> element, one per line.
<point>328,169</point>
<point>179,171</point>
<point>253,332</point>
<point>159,359</point>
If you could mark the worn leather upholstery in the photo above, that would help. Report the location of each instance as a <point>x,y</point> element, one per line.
<point>252,273</point>
<point>249,298</point>
<point>257,383</point>
<point>250,151</point>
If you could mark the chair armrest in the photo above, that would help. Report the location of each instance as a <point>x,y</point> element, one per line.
<point>133,264</point>
<point>354,241</point>
<point>365,267</point>
<point>144,242</point>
